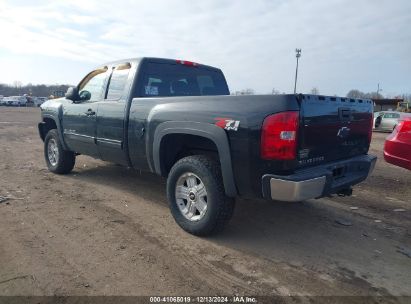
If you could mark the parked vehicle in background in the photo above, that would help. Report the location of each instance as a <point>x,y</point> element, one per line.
<point>388,120</point>
<point>22,101</point>
<point>15,101</point>
<point>176,118</point>
<point>2,103</point>
<point>38,101</point>
<point>397,148</point>
<point>30,101</point>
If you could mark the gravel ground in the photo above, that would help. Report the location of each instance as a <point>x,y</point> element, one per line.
<point>107,230</point>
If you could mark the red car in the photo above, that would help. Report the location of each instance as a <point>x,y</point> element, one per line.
<point>397,149</point>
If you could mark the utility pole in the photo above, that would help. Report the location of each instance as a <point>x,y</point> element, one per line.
<point>297,55</point>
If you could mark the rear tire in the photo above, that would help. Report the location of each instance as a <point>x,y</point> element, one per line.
<point>57,159</point>
<point>196,196</point>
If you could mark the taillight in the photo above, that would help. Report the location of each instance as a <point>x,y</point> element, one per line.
<point>279,136</point>
<point>404,131</point>
<point>404,125</point>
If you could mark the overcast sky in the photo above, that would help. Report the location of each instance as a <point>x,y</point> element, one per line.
<point>345,44</point>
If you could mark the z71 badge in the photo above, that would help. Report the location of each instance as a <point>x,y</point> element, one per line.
<point>227,123</point>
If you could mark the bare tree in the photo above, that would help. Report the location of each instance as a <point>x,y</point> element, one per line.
<point>355,94</point>
<point>315,91</point>
<point>373,95</point>
<point>275,92</point>
<point>406,97</point>
<point>35,90</point>
<point>358,94</point>
<point>17,84</point>
<point>245,92</point>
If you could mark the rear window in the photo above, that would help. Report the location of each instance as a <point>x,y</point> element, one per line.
<point>167,79</point>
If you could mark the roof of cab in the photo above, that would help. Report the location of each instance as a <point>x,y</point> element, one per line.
<point>152,59</point>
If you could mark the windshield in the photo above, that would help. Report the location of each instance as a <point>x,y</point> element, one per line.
<point>168,79</point>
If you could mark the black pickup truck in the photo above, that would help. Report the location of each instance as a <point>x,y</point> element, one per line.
<point>176,118</point>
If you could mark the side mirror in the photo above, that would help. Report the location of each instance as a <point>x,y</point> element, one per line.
<point>72,94</point>
<point>85,95</point>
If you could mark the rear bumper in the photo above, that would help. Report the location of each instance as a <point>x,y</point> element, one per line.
<point>397,160</point>
<point>397,153</point>
<point>319,181</point>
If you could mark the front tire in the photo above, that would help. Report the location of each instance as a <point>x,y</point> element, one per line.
<point>57,159</point>
<point>196,196</point>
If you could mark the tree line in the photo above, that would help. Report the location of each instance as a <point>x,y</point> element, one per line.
<point>354,93</point>
<point>39,90</point>
<point>374,95</point>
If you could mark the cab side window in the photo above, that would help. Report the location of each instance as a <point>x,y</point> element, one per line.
<point>118,81</point>
<point>92,86</point>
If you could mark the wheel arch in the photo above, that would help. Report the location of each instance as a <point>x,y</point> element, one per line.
<point>48,123</point>
<point>209,132</point>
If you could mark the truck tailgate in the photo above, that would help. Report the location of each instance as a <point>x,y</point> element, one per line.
<point>333,128</point>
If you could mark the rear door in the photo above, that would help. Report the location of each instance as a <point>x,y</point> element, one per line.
<point>333,128</point>
<point>79,118</point>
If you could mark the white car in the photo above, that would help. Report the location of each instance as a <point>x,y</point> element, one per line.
<point>15,101</point>
<point>388,120</point>
<point>5,101</point>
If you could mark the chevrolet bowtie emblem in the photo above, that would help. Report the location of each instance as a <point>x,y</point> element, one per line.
<point>343,132</point>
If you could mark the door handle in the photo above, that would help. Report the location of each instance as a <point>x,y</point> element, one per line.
<point>90,112</point>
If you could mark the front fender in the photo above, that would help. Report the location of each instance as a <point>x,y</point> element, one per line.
<point>52,110</point>
<point>209,131</point>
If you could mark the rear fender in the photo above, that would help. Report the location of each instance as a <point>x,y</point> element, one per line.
<point>216,134</point>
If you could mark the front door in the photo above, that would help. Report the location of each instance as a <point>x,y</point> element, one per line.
<point>111,116</point>
<point>80,116</point>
